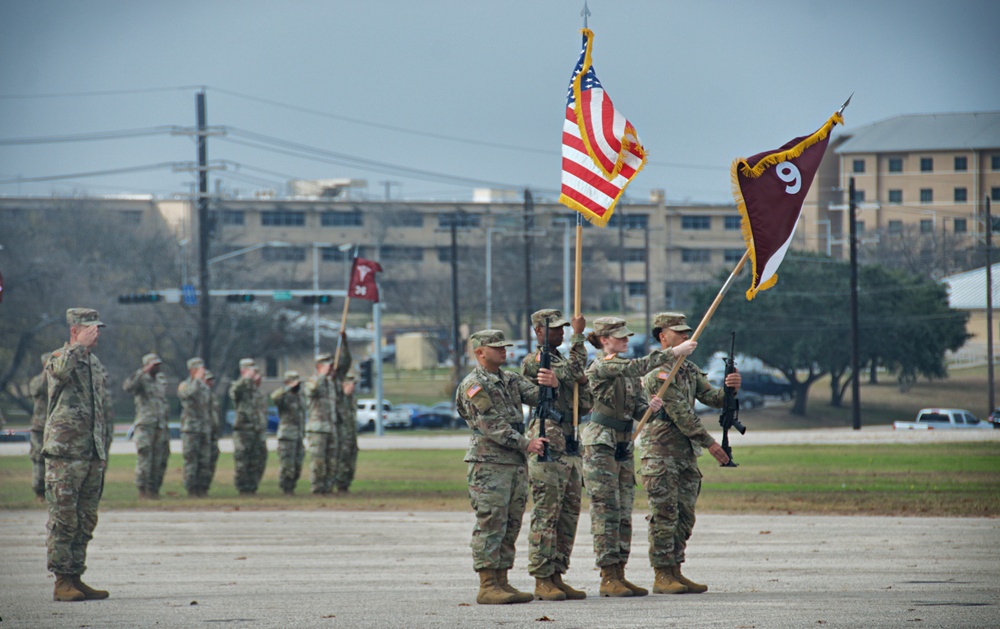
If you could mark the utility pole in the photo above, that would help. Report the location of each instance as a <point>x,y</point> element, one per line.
<point>456,341</point>
<point>989,305</point>
<point>204,321</point>
<point>529,208</point>
<point>855,344</point>
<point>649,308</point>
<point>621,260</point>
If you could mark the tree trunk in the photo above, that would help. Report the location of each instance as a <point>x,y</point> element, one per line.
<point>801,397</point>
<point>873,372</point>
<point>836,392</point>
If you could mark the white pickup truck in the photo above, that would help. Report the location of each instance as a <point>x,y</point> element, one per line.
<point>391,417</point>
<point>942,418</point>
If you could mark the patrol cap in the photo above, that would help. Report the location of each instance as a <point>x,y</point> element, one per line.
<point>150,359</point>
<point>611,326</point>
<point>675,321</point>
<point>194,363</point>
<point>292,376</point>
<point>247,363</point>
<point>324,358</point>
<point>555,317</point>
<point>83,316</point>
<point>489,338</point>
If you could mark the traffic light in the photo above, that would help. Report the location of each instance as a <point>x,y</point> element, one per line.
<point>241,299</point>
<point>317,299</point>
<point>366,374</point>
<point>140,298</point>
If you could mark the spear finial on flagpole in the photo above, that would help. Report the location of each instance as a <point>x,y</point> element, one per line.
<point>585,13</point>
<point>846,103</point>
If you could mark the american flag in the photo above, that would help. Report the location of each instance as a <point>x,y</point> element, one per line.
<point>601,149</point>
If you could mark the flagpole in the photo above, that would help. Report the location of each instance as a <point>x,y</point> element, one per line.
<point>343,316</point>
<point>694,337</point>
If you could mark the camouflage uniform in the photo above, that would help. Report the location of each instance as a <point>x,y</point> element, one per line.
<point>321,398</point>
<point>196,409</point>
<point>75,447</point>
<point>215,426</point>
<point>614,383</point>
<point>498,485</point>
<point>249,433</point>
<point>291,431</point>
<point>668,449</point>
<point>347,440</point>
<point>150,432</point>
<point>39,391</point>
<point>556,487</point>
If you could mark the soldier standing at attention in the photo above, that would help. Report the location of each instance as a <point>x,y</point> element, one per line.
<point>668,450</point>
<point>489,400</point>
<point>152,441</point>
<point>347,436</point>
<point>215,427</point>
<point>39,391</point>
<point>196,408</point>
<point>556,487</point>
<point>249,457</point>
<point>608,461</point>
<point>75,451</point>
<point>291,431</point>
<point>321,399</point>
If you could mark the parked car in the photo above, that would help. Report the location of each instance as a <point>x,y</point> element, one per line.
<point>942,418</point>
<point>11,436</point>
<point>426,417</point>
<point>391,417</point>
<point>272,421</point>
<point>767,384</point>
<point>448,408</point>
<point>748,400</point>
<point>173,427</point>
<point>994,418</point>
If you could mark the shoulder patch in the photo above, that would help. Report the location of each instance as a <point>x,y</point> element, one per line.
<point>662,375</point>
<point>473,390</point>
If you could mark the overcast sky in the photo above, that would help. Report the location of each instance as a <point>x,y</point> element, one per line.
<point>467,89</point>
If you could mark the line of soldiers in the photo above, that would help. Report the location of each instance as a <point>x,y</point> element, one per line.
<point>615,391</point>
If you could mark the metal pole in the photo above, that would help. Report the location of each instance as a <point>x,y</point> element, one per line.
<point>989,305</point>
<point>649,307</point>
<point>855,342</point>
<point>529,206</point>
<point>316,304</point>
<point>621,261</point>
<point>456,341</point>
<point>377,318</point>
<point>489,272</point>
<point>204,313</point>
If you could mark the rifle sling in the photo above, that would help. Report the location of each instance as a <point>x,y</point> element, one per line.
<point>619,425</point>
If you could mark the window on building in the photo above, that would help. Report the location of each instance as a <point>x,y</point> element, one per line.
<point>994,162</point>
<point>895,164</point>
<point>636,289</point>
<point>632,220</point>
<point>696,222</point>
<point>926,164</point>
<point>961,226</point>
<point>895,227</point>
<point>926,195</point>
<point>341,219</point>
<point>733,222</point>
<point>926,226</point>
<point>732,256</point>
<point>859,166</point>
<point>462,220</point>
<point>403,254</point>
<point>333,254</point>
<point>995,194</point>
<point>692,256</point>
<point>961,195</point>
<point>232,217</point>
<point>283,254</point>
<point>629,254</point>
<point>859,196</point>
<point>961,164</point>
<point>132,217</point>
<point>271,367</point>
<point>860,226</point>
<point>283,218</point>
<point>895,196</point>
<point>408,218</point>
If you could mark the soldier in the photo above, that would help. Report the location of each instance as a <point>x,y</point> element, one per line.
<point>291,431</point>
<point>196,409</point>
<point>75,451</point>
<point>347,436</point>
<point>321,398</point>
<point>668,450</point>
<point>489,400</point>
<point>249,429</point>
<point>556,487</point>
<point>215,426</point>
<point>608,462</point>
<point>152,439</point>
<point>39,391</point>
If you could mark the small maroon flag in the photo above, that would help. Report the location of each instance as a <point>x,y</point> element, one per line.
<point>769,189</point>
<point>363,284</point>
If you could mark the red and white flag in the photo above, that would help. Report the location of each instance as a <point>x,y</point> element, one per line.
<point>363,284</point>
<point>601,149</point>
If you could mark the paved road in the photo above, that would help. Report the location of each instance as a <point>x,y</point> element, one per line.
<point>342,569</point>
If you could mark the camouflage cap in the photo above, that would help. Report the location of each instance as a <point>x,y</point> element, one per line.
<point>194,363</point>
<point>292,376</point>
<point>675,321</point>
<point>555,317</point>
<point>489,338</point>
<point>247,363</point>
<point>611,326</point>
<point>209,375</point>
<point>324,358</point>
<point>149,359</point>
<point>83,316</point>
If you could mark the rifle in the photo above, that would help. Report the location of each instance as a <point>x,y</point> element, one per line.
<point>730,417</point>
<point>546,398</point>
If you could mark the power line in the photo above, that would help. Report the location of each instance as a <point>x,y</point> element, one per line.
<point>148,90</point>
<point>93,173</point>
<point>87,137</point>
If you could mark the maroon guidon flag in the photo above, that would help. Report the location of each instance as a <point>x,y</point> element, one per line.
<point>363,284</point>
<point>769,189</point>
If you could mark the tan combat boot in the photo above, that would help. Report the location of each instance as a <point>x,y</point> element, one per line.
<point>611,585</point>
<point>694,588</point>
<point>666,583</point>
<point>65,589</point>
<point>546,590</point>
<point>571,594</point>
<point>490,592</point>
<point>636,590</point>
<point>89,593</point>
<point>519,596</point>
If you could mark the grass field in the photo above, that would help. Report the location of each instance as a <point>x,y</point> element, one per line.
<point>961,479</point>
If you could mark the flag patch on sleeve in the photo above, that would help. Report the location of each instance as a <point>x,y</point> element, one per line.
<point>473,390</point>
<point>662,375</point>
